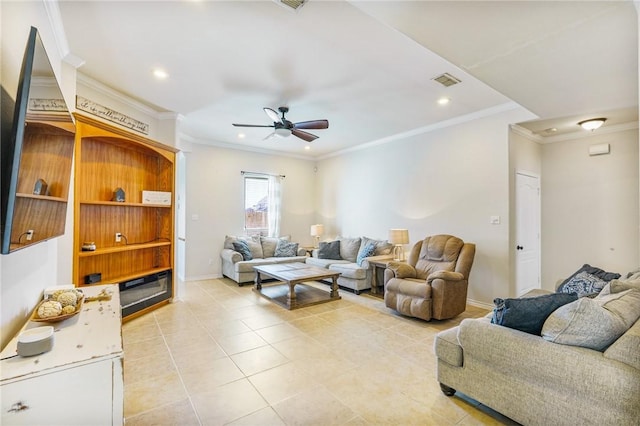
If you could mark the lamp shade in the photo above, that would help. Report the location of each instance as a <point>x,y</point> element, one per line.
<point>317,230</point>
<point>399,236</point>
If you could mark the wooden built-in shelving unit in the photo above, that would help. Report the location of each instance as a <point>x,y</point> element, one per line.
<point>108,158</point>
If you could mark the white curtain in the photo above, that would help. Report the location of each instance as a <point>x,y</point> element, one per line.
<point>275,203</point>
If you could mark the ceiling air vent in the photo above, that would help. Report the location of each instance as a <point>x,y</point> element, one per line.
<point>446,79</point>
<point>293,4</point>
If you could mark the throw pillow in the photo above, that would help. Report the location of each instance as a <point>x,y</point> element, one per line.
<point>528,314</point>
<point>619,285</point>
<point>382,247</point>
<point>241,247</point>
<point>269,244</point>
<point>329,250</point>
<point>286,249</point>
<point>349,248</point>
<point>603,275</point>
<point>593,323</point>
<point>368,250</point>
<point>583,283</point>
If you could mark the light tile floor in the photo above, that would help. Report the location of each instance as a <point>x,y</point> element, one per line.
<point>225,355</point>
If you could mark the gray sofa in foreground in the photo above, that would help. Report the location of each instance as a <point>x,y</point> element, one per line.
<point>263,251</point>
<point>536,381</point>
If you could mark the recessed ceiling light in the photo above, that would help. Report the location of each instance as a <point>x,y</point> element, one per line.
<point>160,74</point>
<point>241,135</point>
<point>307,148</point>
<point>443,101</point>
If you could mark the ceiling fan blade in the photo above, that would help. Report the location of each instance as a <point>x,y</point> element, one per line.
<point>313,124</point>
<point>273,115</point>
<point>251,125</point>
<point>269,136</point>
<point>304,135</point>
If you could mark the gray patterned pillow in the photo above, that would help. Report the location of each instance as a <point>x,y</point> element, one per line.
<point>584,284</point>
<point>286,249</point>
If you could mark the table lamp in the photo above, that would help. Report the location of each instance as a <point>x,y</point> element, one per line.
<point>398,237</point>
<point>316,231</point>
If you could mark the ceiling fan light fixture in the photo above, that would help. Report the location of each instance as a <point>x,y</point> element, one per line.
<point>592,123</point>
<point>282,132</point>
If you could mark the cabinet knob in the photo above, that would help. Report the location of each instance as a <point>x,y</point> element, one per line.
<point>519,247</point>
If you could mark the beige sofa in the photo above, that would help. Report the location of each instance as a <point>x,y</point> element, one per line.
<point>535,381</point>
<point>263,252</point>
<point>353,275</point>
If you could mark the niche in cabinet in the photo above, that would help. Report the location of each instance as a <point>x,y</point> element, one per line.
<point>131,239</point>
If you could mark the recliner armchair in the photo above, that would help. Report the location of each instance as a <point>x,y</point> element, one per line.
<point>433,283</point>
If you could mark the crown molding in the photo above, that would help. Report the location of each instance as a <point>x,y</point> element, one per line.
<point>113,94</point>
<point>487,112</point>
<point>210,143</point>
<point>519,130</point>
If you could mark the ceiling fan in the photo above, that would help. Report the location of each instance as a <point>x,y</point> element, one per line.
<point>283,127</point>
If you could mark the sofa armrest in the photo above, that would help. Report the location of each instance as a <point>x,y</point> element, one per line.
<point>445,275</point>
<point>302,251</point>
<point>230,255</point>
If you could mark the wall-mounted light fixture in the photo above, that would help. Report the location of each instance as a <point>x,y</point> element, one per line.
<point>592,123</point>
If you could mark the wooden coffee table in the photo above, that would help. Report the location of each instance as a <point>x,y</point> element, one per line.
<point>290,291</point>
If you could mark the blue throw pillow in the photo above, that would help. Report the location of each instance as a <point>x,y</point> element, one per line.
<point>329,250</point>
<point>286,249</point>
<point>367,251</point>
<point>243,248</point>
<point>529,313</point>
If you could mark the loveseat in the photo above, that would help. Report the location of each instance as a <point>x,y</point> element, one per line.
<point>350,257</point>
<point>240,254</point>
<point>576,372</point>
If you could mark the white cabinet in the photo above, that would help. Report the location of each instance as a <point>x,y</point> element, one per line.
<point>78,382</point>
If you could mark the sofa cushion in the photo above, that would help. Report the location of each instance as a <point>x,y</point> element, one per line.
<point>269,244</point>
<point>593,323</point>
<point>617,286</point>
<point>585,281</point>
<point>365,252</point>
<point>323,263</point>
<point>252,242</point>
<point>286,249</point>
<point>329,250</point>
<point>528,314</point>
<point>349,248</point>
<point>625,349</point>
<point>349,270</point>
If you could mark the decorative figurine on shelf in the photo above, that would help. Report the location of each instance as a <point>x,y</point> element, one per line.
<point>40,188</point>
<point>118,195</point>
<point>88,246</point>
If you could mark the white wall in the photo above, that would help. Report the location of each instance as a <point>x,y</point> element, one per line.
<point>590,205</point>
<point>215,196</point>
<point>25,273</point>
<point>447,181</point>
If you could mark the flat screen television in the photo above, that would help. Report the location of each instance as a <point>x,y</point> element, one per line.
<point>38,134</point>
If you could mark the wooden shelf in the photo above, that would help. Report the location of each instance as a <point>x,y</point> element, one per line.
<point>123,204</point>
<point>41,197</point>
<point>125,247</point>
<point>106,158</point>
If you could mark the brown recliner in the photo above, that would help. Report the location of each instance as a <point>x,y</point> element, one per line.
<point>433,283</point>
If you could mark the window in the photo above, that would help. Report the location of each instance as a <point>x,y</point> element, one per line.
<point>262,199</point>
<point>256,204</point>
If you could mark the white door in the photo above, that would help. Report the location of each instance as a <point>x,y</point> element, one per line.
<point>527,233</point>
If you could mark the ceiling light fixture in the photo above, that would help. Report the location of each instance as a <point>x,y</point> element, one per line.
<point>282,132</point>
<point>160,74</point>
<point>241,135</point>
<point>592,124</point>
<point>443,101</point>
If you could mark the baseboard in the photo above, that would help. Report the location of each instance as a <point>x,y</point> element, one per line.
<point>487,306</point>
<point>203,277</point>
